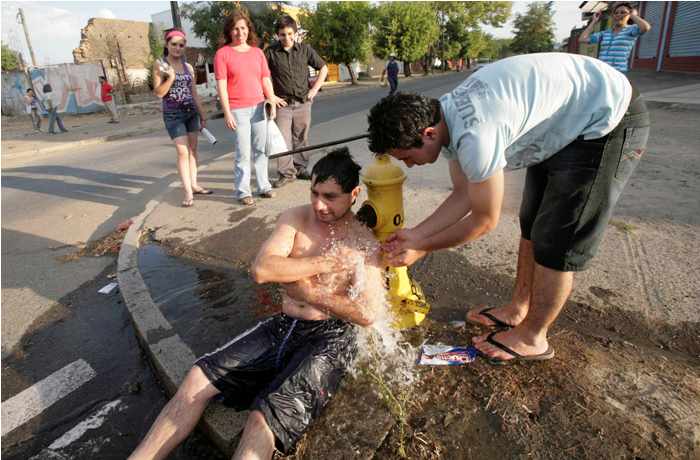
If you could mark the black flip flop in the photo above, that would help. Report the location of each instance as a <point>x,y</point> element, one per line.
<point>203,192</point>
<point>496,322</point>
<point>549,354</point>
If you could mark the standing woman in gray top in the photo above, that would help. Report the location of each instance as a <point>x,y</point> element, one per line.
<point>173,81</point>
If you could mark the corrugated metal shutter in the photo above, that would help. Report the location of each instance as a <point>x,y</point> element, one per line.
<point>649,42</point>
<point>685,39</point>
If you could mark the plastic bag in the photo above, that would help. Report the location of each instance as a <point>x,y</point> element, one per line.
<point>274,141</point>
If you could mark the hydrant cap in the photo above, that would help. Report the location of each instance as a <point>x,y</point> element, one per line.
<point>382,171</point>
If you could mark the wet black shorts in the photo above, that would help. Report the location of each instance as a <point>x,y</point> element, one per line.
<point>284,367</point>
<point>569,198</point>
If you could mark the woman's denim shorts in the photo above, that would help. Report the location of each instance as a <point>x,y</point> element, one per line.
<point>181,122</point>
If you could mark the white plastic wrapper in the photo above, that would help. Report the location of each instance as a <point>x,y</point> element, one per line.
<point>108,288</point>
<point>446,355</point>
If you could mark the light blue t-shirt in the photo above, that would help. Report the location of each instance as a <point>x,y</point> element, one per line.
<point>615,49</point>
<point>519,111</point>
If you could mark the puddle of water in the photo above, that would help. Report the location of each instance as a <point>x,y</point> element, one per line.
<point>206,306</point>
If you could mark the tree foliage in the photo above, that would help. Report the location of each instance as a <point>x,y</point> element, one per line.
<point>339,31</point>
<point>10,58</point>
<point>406,29</point>
<point>460,22</point>
<point>534,30</point>
<point>208,20</point>
<point>497,48</point>
<point>156,41</point>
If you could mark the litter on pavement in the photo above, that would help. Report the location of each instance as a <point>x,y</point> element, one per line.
<point>108,288</point>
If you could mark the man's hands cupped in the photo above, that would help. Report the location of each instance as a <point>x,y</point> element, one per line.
<point>403,248</point>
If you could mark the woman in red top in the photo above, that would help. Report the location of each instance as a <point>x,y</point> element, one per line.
<point>243,83</point>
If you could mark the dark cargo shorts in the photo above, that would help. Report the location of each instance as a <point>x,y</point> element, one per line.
<point>568,199</point>
<point>284,367</point>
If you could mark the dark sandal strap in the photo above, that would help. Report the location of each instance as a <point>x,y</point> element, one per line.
<point>492,341</point>
<point>496,322</point>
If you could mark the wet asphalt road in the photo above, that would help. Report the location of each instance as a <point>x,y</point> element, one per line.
<point>78,196</point>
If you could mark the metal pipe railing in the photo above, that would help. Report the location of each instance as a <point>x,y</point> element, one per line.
<point>318,146</point>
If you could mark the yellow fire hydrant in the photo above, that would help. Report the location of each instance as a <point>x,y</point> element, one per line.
<point>383,213</point>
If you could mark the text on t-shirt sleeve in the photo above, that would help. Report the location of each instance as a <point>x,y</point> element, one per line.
<point>481,152</point>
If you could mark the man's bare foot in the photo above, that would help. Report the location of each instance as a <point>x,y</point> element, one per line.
<point>512,344</point>
<point>504,316</point>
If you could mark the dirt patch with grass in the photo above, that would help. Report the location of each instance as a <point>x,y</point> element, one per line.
<point>108,245</point>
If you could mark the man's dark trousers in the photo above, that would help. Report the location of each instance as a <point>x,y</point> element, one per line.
<point>393,84</point>
<point>294,122</point>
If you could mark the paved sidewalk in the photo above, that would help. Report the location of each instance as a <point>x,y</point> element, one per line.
<point>687,94</point>
<point>668,88</point>
<point>19,140</point>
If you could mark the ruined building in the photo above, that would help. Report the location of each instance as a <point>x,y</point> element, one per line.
<point>121,46</point>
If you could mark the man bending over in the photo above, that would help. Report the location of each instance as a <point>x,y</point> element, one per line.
<point>285,368</point>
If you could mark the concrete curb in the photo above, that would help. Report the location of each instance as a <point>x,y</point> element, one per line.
<point>81,143</point>
<point>171,357</point>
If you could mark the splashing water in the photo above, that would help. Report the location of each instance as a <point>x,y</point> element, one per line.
<point>382,350</point>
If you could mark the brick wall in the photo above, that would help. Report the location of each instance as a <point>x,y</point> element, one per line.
<point>99,39</point>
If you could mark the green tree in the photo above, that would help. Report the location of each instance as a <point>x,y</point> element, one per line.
<point>496,48</point>
<point>406,29</point>
<point>339,31</point>
<point>208,20</point>
<point>460,33</point>
<point>10,58</point>
<point>156,42</point>
<point>534,30</point>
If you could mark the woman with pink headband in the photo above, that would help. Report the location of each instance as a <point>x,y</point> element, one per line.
<point>183,114</point>
<point>243,83</point>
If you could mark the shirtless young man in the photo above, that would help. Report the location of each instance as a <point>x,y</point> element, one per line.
<point>286,368</point>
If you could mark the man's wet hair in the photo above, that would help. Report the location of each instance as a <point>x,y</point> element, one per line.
<point>338,164</point>
<point>398,121</point>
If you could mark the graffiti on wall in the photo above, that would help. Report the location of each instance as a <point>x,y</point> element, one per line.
<point>14,87</point>
<point>75,86</point>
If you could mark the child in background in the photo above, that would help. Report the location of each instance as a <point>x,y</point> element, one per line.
<point>51,106</point>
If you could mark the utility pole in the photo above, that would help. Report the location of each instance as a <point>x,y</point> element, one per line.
<point>175,10</point>
<point>20,15</point>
